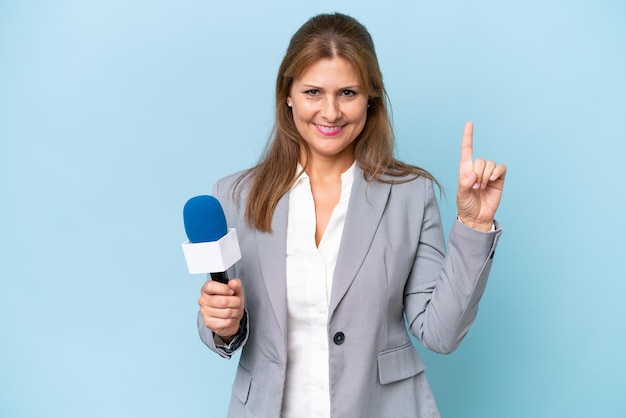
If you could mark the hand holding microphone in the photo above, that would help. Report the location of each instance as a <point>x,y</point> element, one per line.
<point>221,307</point>
<point>213,248</point>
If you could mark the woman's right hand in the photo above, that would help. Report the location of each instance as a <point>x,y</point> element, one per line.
<point>221,307</point>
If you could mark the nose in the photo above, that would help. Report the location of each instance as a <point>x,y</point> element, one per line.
<point>330,109</point>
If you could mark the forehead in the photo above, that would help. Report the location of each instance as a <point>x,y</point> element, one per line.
<point>330,70</point>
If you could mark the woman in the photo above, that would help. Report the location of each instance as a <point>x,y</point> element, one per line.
<point>340,244</point>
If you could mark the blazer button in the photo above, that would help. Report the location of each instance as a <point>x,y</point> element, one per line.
<point>339,338</point>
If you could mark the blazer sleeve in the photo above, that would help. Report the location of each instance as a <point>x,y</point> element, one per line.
<point>443,290</point>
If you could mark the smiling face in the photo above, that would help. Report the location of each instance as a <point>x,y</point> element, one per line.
<point>329,108</point>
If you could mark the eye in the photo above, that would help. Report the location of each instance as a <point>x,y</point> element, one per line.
<point>348,93</point>
<point>313,92</point>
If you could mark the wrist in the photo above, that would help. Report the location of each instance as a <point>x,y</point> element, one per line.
<point>482,226</point>
<point>228,339</point>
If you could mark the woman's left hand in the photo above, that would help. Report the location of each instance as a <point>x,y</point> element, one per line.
<point>480,186</point>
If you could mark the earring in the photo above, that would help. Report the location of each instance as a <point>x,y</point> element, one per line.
<point>288,103</point>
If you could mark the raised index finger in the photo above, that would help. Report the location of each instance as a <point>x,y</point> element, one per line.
<point>467,143</point>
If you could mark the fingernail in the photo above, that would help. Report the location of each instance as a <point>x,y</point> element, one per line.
<point>476,186</point>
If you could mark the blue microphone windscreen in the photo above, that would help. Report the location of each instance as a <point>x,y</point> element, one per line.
<point>204,219</point>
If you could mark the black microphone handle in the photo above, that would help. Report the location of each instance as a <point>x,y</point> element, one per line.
<point>221,277</point>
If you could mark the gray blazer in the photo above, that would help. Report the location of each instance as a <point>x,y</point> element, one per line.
<point>392,265</point>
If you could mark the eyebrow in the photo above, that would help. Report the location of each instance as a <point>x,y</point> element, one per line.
<point>350,87</point>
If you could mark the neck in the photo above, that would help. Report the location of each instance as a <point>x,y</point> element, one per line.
<point>326,169</point>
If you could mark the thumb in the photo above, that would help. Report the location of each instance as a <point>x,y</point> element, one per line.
<point>236,288</point>
<point>466,182</point>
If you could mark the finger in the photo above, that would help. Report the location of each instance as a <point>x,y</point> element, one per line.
<point>235,286</point>
<point>222,327</point>
<point>467,143</point>
<point>479,170</point>
<point>219,302</point>
<point>487,173</point>
<point>498,173</point>
<point>217,313</point>
<point>212,287</point>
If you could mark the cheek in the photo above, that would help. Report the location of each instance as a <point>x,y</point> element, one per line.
<point>300,120</point>
<point>303,113</point>
<point>359,111</point>
<point>362,117</point>
<point>298,117</point>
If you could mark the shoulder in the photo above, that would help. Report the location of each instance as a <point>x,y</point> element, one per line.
<point>413,193</point>
<point>404,178</point>
<point>231,192</point>
<point>412,185</point>
<point>409,193</point>
<point>227,187</point>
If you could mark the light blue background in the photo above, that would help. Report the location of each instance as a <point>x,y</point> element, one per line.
<point>113,113</point>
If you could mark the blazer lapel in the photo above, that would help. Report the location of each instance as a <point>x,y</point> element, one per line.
<point>272,251</point>
<point>367,203</point>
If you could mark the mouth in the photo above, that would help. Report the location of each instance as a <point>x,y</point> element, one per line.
<point>329,130</point>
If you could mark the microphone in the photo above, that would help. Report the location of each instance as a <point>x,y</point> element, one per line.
<point>211,247</point>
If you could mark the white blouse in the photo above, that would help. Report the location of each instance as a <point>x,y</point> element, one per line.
<point>309,282</point>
